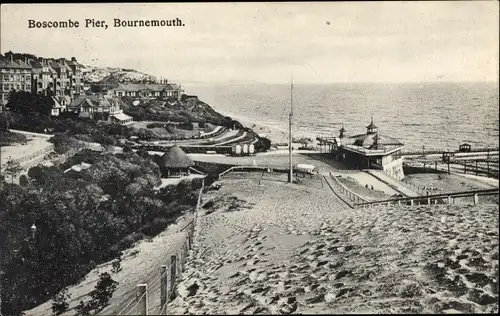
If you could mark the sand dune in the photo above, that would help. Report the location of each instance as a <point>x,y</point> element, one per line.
<point>283,248</point>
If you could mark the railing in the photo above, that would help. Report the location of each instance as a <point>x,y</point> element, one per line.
<point>168,276</point>
<point>250,168</point>
<point>351,195</point>
<point>436,151</point>
<point>337,194</point>
<point>449,198</point>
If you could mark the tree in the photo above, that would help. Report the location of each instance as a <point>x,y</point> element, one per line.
<point>26,103</point>
<point>13,168</point>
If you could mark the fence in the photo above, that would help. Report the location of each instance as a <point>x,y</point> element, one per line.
<point>415,152</point>
<point>448,198</point>
<point>337,194</point>
<point>167,276</point>
<point>351,195</point>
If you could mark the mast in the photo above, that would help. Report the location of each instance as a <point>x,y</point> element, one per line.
<point>290,139</point>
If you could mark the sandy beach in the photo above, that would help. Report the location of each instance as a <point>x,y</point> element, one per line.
<point>275,133</point>
<point>279,248</point>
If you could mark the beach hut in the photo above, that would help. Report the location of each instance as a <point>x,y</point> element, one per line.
<point>464,147</point>
<point>245,149</point>
<point>175,162</point>
<point>237,150</point>
<point>251,149</point>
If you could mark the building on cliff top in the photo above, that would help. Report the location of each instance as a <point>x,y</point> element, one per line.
<point>371,150</point>
<point>148,90</point>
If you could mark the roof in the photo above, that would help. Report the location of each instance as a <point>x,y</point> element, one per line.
<point>7,63</point>
<point>134,87</point>
<point>121,116</point>
<point>372,125</point>
<point>305,167</point>
<point>367,140</point>
<point>90,100</point>
<point>175,157</point>
<point>78,167</point>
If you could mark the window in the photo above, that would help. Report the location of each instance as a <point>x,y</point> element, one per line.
<point>22,87</point>
<point>28,78</point>
<point>6,77</point>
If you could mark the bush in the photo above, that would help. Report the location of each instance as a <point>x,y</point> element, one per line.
<point>8,138</point>
<point>61,304</point>
<point>83,309</point>
<point>116,265</point>
<point>156,125</point>
<point>103,291</point>
<point>186,126</point>
<point>23,180</point>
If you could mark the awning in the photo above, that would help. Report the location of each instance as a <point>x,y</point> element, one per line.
<point>122,117</point>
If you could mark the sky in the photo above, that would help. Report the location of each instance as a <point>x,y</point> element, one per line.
<point>322,42</point>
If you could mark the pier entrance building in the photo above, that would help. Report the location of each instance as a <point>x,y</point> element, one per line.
<point>371,151</point>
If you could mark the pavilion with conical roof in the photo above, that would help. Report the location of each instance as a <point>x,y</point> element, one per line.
<point>175,162</point>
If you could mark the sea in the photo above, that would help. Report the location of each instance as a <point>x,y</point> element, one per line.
<point>431,115</point>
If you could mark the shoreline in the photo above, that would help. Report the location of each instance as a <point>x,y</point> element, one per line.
<point>275,133</point>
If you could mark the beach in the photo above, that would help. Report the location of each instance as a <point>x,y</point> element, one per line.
<point>271,130</point>
<point>278,248</point>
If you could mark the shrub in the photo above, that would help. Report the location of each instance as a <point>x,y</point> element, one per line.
<point>61,304</point>
<point>116,265</point>
<point>103,291</point>
<point>186,126</point>
<point>23,180</point>
<point>83,309</point>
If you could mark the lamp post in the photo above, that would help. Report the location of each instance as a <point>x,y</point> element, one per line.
<point>1,281</point>
<point>33,230</point>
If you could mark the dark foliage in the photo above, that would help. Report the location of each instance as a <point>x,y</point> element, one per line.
<point>80,222</point>
<point>61,304</point>
<point>25,103</point>
<point>8,138</point>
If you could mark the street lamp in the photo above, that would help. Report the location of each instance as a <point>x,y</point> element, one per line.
<point>1,279</point>
<point>33,230</point>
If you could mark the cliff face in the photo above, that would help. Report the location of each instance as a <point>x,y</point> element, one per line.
<point>113,75</point>
<point>189,108</point>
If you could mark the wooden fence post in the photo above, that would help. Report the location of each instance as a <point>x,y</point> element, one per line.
<point>142,296</point>
<point>179,262</point>
<point>173,272</point>
<point>163,288</point>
